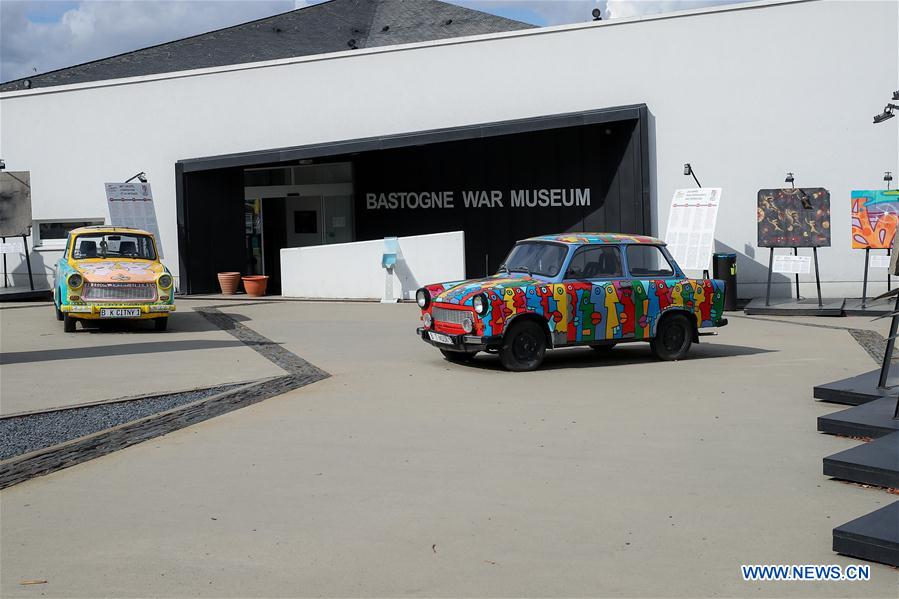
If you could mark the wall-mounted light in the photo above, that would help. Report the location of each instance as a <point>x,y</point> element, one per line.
<point>141,176</point>
<point>790,180</point>
<point>888,178</point>
<point>886,114</point>
<point>688,171</point>
<point>896,95</point>
<point>597,14</point>
<point>2,165</point>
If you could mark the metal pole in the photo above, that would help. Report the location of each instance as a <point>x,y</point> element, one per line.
<point>768,286</point>
<point>486,265</point>
<point>796,253</point>
<point>28,262</point>
<point>817,277</point>
<point>865,280</point>
<point>888,352</point>
<point>888,270</point>
<point>5,277</point>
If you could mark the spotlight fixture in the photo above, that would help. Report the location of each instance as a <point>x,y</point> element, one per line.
<point>688,170</point>
<point>896,95</point>
<point>141,176</point>
<point>790,180</point>
<point>597,14</point>
<point>886,114</point>
<point>888,178</point>
<point>27,84</point>
<point>2,165</point>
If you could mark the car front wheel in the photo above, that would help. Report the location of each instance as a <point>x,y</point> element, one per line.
<point>161,324</point>
<point>68,324</point>
<point>673,338</point>
<point>523,347</point>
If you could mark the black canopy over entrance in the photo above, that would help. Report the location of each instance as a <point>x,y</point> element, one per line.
<point>498,182</point>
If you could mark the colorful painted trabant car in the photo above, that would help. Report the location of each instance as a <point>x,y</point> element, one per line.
<point>112,272</point>
<point>592,289</point>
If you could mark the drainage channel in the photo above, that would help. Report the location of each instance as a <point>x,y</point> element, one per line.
<point>38,443</point>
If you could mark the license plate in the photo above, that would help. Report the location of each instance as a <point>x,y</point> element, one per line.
<point>119,312</point>
<point>440,338</point>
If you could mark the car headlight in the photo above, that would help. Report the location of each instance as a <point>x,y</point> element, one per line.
<point>480,303</point>
<point>427,320</point>
<point>423,298</point>
<point>467,324</point>
<point>164,281</point>
<point>75,280</point>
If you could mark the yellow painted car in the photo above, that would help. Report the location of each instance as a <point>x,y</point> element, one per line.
<point>112,273</point>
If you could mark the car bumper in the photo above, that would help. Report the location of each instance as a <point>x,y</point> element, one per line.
<point>92,311</point>
<point>461,343</point>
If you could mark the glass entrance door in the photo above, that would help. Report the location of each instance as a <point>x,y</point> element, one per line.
<point>318,220</point>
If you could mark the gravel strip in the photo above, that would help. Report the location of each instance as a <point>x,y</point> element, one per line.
<point>23,434</point>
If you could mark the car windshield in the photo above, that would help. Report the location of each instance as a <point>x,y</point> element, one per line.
<point>113,245</point>
<point>535,258</point>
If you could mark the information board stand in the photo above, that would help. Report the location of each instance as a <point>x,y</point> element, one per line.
<point>817,277</point>
<point>9,248</point>
<point>865,278</point>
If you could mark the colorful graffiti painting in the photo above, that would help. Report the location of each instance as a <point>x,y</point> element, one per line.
<point>794,217</point>
<point>875,215</point>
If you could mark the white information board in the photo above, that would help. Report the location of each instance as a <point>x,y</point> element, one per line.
<point>15,246</point>
<point>131,205</point>
<point>879,261</point>
<point>795,265</point>
<point>691,226</point>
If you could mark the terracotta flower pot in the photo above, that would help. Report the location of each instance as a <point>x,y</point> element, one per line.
<point>229,281</point>
<point>255,285</point>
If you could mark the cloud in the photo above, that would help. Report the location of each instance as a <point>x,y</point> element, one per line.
<point>40,36</point>
<point>619,9</point>
<point>33,39</point>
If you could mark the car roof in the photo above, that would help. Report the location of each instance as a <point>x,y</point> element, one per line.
<point>597,238</point>
<point>109,229</point>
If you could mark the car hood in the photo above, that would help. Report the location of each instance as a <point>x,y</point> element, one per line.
<point>119,271</point>
<point>462,292</point>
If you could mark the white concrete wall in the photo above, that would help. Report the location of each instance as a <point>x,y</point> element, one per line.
<point>353,270</point>
<point>745,93</point>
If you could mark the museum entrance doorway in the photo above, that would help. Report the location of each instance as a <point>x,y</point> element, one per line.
<point>497,182</point>
<point>295,206</point>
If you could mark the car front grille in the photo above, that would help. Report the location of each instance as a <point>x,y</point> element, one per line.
<point>117,292</point>
<point>446,315</point>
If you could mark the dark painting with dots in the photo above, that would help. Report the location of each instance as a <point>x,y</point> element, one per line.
<point>794,217</point>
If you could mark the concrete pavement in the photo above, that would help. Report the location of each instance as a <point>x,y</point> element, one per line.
<point>406,475</point>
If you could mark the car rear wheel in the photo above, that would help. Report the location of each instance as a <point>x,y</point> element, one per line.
<point>59,315</point>
<point>523,347</point>
<point>458,357</point>
<point>161,324</point>
<point>68,324</point>
<point>673,338</point>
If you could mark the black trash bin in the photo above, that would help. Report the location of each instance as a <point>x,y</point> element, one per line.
<point>724,267</point>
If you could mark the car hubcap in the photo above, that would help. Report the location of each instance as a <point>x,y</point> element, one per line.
<point>673,338</point>
<point>525,347</point>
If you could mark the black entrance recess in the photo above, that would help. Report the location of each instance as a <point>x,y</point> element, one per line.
<point>498,182</point>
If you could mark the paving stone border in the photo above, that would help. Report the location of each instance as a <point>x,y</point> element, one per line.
<point>50,459</point>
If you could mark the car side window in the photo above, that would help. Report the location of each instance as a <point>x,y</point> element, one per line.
<point>648,261</point>
<point>595,262</point>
